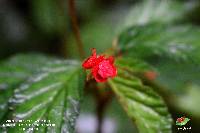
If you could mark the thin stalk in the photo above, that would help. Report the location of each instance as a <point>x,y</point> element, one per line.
<point>100,113</point>
<point>102,101</point>
<point>102,98</point>
<point>72,14</point>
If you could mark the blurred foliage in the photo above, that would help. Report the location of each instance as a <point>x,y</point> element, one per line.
<point>164,46</point>
<point>161,11</point>
<point>50,16</point>
<point>160,41</point>
<point>91,37</point>
<point>189,101</point>
<point>113,112</point>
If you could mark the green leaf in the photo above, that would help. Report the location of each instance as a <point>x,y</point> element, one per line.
<point>139,65</point>
<point>49,16</point>
<point>13,72</point>
<point>52,93</point>
<point>151,11</point>
<point>144,106</point>
<point>152,42</point>
<point>172,50</point>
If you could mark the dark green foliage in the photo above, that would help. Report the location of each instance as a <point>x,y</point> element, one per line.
<point>155,41</point>
<point>173,50</point>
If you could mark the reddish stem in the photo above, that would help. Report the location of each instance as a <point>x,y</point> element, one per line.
<point>72,13</point>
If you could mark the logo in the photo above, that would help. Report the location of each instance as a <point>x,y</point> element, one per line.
<point>182,121</point>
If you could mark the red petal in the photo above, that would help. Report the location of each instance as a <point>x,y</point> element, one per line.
<point>96,75</point>
<point>111,59</point>
<point>106,69</point>
<point>89,62</point>
<point>93,60</point>
<point>98,78</point>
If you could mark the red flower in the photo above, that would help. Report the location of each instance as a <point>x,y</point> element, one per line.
<point>101,68</point>
<point>93,60</point>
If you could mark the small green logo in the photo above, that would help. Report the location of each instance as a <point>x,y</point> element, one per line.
<point>182,121</point>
